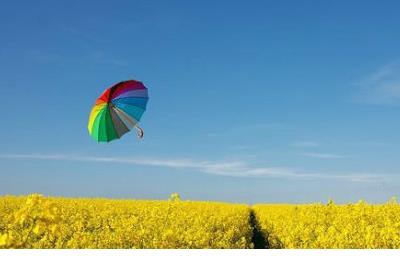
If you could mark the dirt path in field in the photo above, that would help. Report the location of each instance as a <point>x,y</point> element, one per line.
<point>259,239</point>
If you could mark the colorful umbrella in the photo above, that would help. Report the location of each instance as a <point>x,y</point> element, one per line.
<point>118,110</point>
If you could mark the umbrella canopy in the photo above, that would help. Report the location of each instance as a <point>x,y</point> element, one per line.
<point>118,110</point>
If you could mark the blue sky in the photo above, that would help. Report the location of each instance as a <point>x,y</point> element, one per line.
<point>250,101</point>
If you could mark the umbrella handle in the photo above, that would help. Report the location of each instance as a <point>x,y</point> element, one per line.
<point>140,132</point>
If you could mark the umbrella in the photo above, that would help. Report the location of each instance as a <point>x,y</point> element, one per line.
<point>118,110</point>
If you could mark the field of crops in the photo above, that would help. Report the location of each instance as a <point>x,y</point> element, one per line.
<point>44,222</point>
<point>358,225</point>
<point>40,222</point>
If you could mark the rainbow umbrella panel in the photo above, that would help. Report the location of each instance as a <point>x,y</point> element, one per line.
<point>118,110</point>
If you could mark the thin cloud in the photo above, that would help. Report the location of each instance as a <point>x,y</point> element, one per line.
<point>381,87</point>
<point>323,155</point>
<point>231,169</point>
<point>305,144</point>
<point>246,128</point>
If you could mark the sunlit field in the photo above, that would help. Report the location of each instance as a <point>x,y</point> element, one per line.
<point>36,221</point>
<point>358,225</point>
<point>39,222</point>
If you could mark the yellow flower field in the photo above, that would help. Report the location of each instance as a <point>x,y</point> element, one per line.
<point>358,225</point>
<point>36,221</point>
<point>40,222</point>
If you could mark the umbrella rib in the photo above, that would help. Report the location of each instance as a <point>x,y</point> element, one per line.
<point>133,92</point>
<point>131,121</point>
<point>125,129</point>
<point>121,101</point>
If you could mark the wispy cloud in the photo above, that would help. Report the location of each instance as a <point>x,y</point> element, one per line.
<point>305,144</point>
<point>232,169</point>
<point>323,155</point>
<point>381,87</point>
<point>246,128</point>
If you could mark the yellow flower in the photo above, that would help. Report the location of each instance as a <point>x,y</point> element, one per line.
<point>3,240</point>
